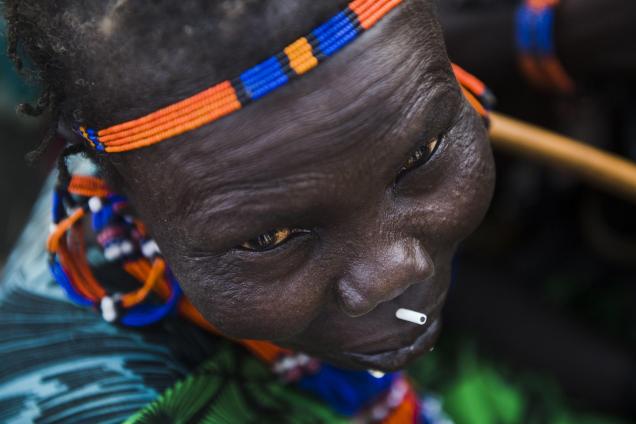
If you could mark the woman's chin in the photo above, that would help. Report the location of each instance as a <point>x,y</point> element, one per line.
<point>390,359</point>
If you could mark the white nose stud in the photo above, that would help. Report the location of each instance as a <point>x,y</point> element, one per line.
<point>411,316</point>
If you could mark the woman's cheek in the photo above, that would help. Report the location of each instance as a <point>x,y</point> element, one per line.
<point>462,199</point>
<point>254,302</point>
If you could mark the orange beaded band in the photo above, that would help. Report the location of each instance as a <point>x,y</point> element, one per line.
<point>229,96</point>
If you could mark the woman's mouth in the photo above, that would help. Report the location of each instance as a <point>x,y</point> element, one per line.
<point>385,342</point>
<point>394,359</point>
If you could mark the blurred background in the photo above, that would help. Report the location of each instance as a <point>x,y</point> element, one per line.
<point>541,318</point>
<point>19,183</point>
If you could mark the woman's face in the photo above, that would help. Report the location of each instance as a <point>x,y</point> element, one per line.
<point>360,178</point>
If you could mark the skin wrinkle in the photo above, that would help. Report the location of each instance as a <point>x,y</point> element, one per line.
<point>321,153</point>
<point>210,191</point>
<point>292,291</point>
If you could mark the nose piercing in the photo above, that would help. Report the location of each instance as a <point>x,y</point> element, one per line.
<point>411,316</point>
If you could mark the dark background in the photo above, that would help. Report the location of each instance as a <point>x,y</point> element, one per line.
<point>19,183</point>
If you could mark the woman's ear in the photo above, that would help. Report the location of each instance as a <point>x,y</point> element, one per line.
<point>65,131</point>
<point>78,144</point>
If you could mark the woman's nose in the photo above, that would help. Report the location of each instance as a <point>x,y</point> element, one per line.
<point>383,275</point>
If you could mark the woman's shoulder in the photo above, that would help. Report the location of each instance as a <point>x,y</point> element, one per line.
<point>64,362</point>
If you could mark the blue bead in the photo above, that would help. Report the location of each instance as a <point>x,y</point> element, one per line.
<point>330,26</point>
<point>144,314</point>
<point>62,279</point>
<point>544,32</point>
<point>260,70</point>
<point>269,87</point>
<point>525,19</point>
<point>58,208</point>
<point>342,40</point>
<point>329,37</point>
<point>346,391</point>
<point>258,80</point>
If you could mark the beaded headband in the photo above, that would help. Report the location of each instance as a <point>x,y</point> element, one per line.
<point>229,96</point>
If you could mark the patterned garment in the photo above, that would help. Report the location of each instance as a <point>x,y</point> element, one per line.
<point>63,363</point>
<point>234,387</point>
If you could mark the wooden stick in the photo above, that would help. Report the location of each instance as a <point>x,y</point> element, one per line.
<point>602,169</point>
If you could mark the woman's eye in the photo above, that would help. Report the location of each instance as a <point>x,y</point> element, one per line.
<point>419,157</point>
<point>270,240</point>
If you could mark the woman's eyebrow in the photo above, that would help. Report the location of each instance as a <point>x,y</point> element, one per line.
<point>382,114</point>
<point>240,214</point>
<point>287,157</point>
<point>302,190</point>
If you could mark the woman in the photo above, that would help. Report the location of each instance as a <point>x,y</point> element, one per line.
<point>308,218</point>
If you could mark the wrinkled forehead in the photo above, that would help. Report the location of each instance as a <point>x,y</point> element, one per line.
<point>399,61</point>
<point>122,60</point>
<point>394,80</point>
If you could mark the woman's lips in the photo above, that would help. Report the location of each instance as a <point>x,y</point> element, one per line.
<point>395,359</point>
<point>385,352</point>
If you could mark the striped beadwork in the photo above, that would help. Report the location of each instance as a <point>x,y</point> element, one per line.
<point>229,96</point>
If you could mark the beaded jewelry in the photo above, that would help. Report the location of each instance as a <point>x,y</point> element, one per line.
<point>478,95</point>
<point>122,239</point>
<point>229,96</point>
<point>535,45</point>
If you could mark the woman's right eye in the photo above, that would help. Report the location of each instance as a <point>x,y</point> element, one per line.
<point>419,156</point>
<point>270,239</point>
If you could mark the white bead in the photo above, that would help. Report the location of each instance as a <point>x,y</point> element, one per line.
<point>278,368</point>
<point>288,363</point>
<point>379,412</point>
<point>376,373</point>
<point>126,247</point>
<point>112,252</point>
<point>433,405</point>
<point>285,364</point>
<point>149,249</point>
<point>396,395</point>
<point>52,228</point>
<point>95,204</point>
<point>109,311</point>
<point>411,316</point>
<point>302,359</point>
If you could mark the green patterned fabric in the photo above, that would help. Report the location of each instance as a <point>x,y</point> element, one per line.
<point>234,387</point>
